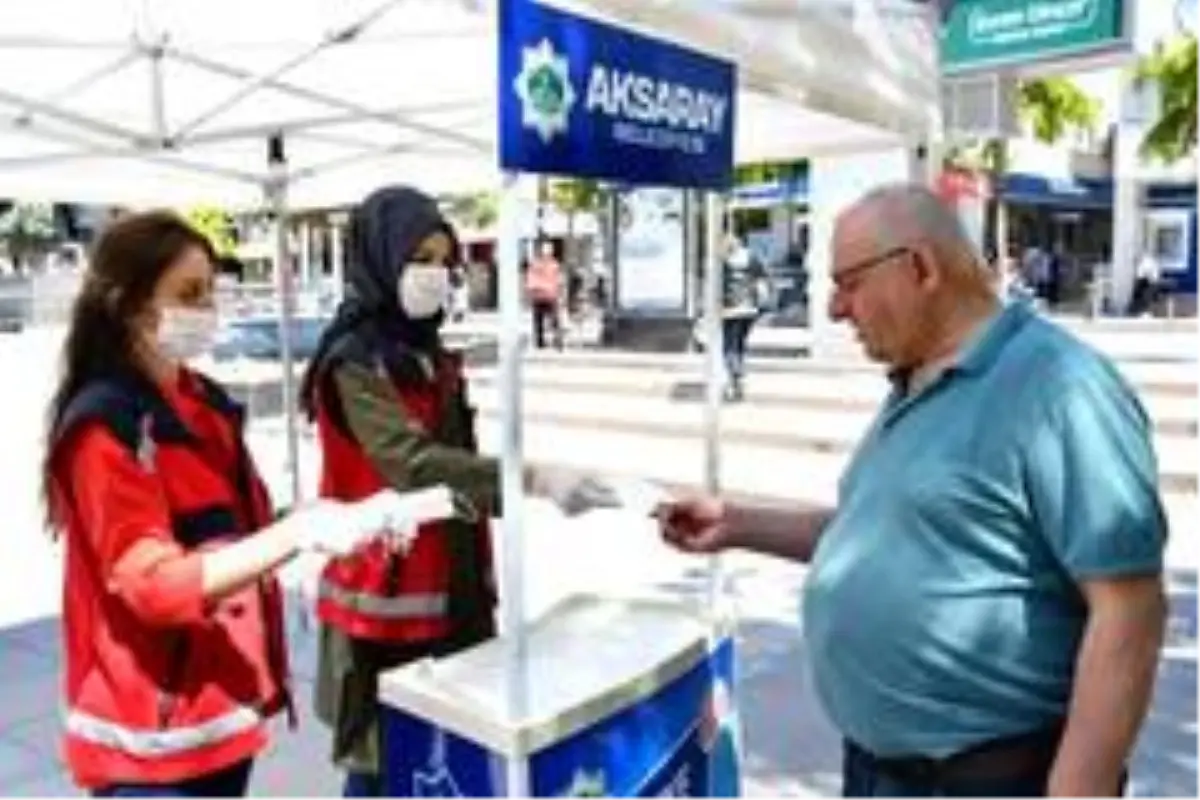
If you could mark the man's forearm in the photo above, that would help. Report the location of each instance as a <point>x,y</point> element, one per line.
<point>1114,678</point>
<point>787,532</point>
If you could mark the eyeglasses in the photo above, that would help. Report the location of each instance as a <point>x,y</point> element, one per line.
<point>843,279</point>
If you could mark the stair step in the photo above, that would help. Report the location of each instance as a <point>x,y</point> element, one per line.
<point>804,434</point>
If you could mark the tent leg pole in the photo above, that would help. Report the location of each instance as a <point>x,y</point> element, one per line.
<point>276,190</point>
<point>714,365</point>
<point>512,468</point>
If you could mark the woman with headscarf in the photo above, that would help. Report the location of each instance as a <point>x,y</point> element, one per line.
<point>391,410</point>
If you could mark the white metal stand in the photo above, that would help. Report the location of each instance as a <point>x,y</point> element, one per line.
<point>512,463</point>
<point>714,367</point>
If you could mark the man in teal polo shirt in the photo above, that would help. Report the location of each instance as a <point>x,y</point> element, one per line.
<point>984,607</point>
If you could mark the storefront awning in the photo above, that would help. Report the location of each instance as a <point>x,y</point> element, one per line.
<point>1071,193</point>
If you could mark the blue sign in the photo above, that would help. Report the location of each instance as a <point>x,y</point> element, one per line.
<point>581,98</point>
<point>1077,193</point>
<point>681,741</point>
<point>424,760</point>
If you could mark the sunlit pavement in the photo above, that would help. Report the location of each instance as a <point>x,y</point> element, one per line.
<point>791,749</point>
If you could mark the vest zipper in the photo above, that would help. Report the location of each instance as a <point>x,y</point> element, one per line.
<point>391,583</point>
<point>168,693</point>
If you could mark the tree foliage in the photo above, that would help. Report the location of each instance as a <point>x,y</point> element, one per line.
<point>576,195</point>
<point>1172,68</point>
<point>767,172</point>
<point>477,211</point>
<point>27,229</point>
<point>216,225</point>
<point>1050,107</point>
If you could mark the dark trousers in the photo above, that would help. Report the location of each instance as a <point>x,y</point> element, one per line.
<point>1145,295</point>
<point>543,312</point>
<point>362,784</point>
<point>863,776</point>
<point>864,779</point>
<point>230,782</point>
<point>734,333</point>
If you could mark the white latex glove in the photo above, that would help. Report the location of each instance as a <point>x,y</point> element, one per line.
<point>641,497</point>
<point>336,528</point>
<point>573,491</point>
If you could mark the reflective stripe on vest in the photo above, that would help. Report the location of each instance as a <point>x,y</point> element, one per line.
<point>149,743</point>
<point>403,607</point>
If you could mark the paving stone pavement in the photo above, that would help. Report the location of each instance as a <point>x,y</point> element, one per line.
<point>791,749</point>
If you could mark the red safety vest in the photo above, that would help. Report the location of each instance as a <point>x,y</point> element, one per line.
<point>375,593</point>
<point>167,704</point>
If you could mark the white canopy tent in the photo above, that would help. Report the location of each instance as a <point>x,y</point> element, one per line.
<point>171,101</point>
<point>153,102</point>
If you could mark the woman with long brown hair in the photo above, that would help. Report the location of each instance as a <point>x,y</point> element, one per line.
<point>172,619</point>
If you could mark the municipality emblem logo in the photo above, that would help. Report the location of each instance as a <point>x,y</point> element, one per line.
<point>586,784</point>
<point>544,86</point>
<point>435,779</point>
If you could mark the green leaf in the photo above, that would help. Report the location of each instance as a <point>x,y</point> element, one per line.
<point>216,225</point>
<point>477,211</point>
<point>27,229</point>
<point>1052,107</point>
<point>576,195</point>
<point>1172,70</point>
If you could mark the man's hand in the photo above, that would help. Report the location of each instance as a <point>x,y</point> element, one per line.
<point>700,524</point>
<point>695,524</point>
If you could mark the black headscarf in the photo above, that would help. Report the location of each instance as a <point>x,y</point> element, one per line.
<point>370,326</point>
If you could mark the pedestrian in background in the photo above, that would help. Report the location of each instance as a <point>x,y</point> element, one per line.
<point>743,290</point>
<point>543,284</point>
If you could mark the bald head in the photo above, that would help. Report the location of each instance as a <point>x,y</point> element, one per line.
<point>906,276</point>
<point>911,215</point>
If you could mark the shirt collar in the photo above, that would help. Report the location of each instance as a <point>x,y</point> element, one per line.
<point>982,348</point>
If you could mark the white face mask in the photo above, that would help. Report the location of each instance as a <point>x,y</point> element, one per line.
<point>424,289</point>
<point>186,333</point>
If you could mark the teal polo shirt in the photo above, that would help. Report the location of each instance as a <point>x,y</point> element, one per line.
<point>942,606</point>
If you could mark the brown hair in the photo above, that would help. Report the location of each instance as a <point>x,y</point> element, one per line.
<point>124,268</point>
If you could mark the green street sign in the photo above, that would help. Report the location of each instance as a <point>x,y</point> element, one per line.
<point>982,34</point>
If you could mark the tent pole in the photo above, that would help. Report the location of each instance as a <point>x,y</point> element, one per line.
<point>512,468</point>
<point>276,195</point>
<point>511,446</point>
<point>714,378</point>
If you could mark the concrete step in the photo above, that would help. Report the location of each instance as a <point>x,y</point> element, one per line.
<point>763,472</point>
<point>1173,414</point>
<point>834,432</point>
<point>748,469</point>
<point>1173,378</point>
<point>1123,339</point>
<point>1176,379</point>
